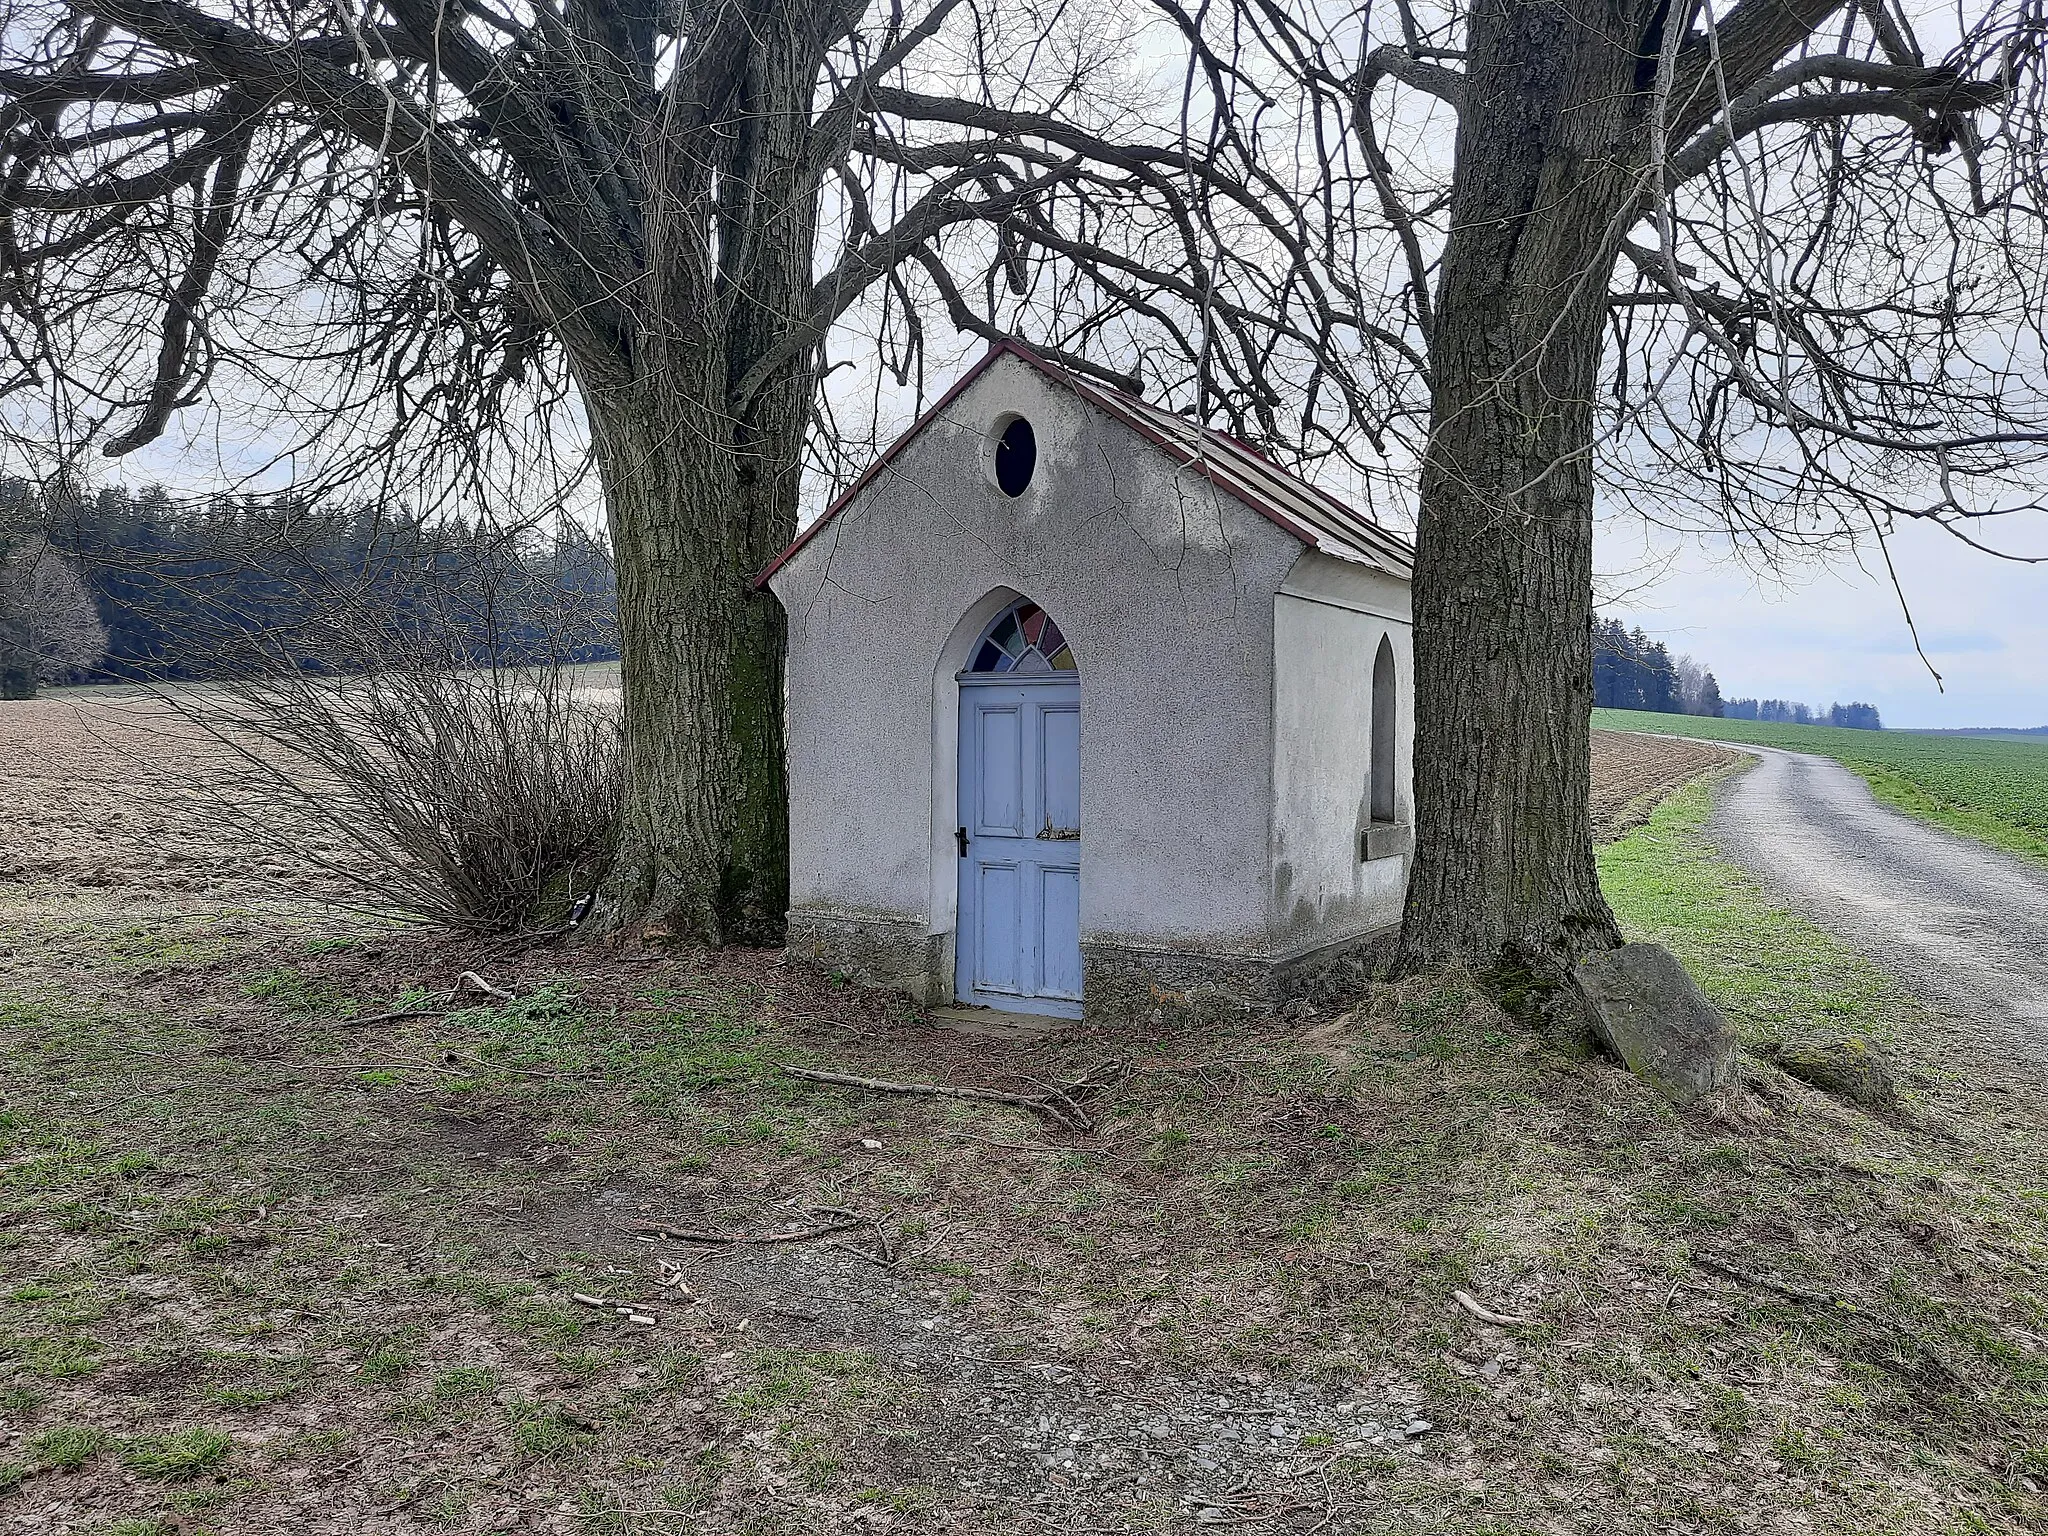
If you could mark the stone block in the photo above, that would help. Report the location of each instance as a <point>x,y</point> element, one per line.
<point>1650,1013</point>
<point>1847,1066</point>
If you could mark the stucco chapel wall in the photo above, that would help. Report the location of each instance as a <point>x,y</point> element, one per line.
<point>1329,619</point>
<point>1163,588</point>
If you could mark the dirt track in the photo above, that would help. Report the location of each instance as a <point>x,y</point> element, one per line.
<point>1958,920</point>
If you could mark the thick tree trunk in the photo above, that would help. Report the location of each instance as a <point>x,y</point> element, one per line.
<point>703,851</point>
<point>1549,157</point>
<point>701,471</point>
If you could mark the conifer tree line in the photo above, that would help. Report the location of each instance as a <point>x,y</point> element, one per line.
<point>1632,671</point>
<point>1855,717</point>
<point>222,587</point>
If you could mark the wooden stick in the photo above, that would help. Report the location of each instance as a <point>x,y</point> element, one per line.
<point>695,1235</point>
<point>476,983</point>
<point>1487,1314</point>
<point>396,1014</point>
<point>1790,1292</point>
<point>1054,1107</point>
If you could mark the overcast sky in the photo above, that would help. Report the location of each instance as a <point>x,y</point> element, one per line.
<point>1835,634</point>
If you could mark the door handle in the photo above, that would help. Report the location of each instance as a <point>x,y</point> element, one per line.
<point>961,834</point>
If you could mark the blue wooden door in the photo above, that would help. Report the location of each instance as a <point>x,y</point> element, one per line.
<point>1018,945</point>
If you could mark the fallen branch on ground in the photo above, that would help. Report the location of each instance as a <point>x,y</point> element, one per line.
<point>397,1015</point>
<point>468,981</point>
<point>1052,1105</point>
<point>1487,1314</point>
<point>696,1235</point>
<point>471,982</point>
<point>1728,1271</point>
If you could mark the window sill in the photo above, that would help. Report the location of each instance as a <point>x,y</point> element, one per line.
<point>1385,840</point>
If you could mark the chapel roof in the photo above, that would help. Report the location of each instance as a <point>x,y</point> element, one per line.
<point>1306,511</point>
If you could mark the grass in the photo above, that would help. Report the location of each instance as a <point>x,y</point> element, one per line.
<point>352,1251</point>
<point>175,1456</point>
<point>68,1447</point>
<point>1987,788</point>
<point>1772,971</point>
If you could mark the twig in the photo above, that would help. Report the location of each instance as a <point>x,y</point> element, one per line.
<point>884,1260</point>
<point>694,1235</point>
<point>1487,1314</point>
<point>1054,1106</point>
<point>397,1014</point>
<point>1790,1292</point>
<point>381,1066</point>
<point>475,983</point>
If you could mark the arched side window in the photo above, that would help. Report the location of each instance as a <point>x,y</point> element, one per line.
<point>1024,639</point>
<point>1383,717</point>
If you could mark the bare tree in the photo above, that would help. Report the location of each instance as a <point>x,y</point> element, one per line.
<point>49,629</point>
<point>466,233</point>
<point>1767,267</point>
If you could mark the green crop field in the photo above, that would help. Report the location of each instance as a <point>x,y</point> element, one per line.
<point>1987,787</point>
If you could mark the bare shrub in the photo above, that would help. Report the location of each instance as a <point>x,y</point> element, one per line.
<point>482,799</point>
<point>424,747</point>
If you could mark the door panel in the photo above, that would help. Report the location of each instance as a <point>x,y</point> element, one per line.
<point>1059,927</point>
<point>997,950</point>
<point>1000,809</point>
<point>1019,932</point>
<point>1059,764</point>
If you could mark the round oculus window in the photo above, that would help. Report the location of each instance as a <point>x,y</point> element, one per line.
<point>1016,456</point>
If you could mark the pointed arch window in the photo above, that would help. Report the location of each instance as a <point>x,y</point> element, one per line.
<point>1024,640</point>
<point>1383,801</point>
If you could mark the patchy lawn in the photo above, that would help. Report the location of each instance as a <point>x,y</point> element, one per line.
<point>273,1262</point>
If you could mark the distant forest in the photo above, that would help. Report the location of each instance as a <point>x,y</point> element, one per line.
<point>1632,671</point>
<point>1855,717</point>
<point>191,589</point>
<point>216,587</point>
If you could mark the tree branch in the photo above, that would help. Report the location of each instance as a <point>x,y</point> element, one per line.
<point>1392,61</point>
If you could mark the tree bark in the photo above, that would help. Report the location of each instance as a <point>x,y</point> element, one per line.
<point>703,849</point>
<point>701,474</point>
<point>1550,158</point>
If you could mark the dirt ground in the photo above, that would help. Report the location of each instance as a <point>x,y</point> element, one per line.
<point>1632,772</point>
<point>113,789</point>
<point>296,1238</point>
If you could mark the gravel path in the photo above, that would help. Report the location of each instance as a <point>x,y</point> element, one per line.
<point>1959,921</point>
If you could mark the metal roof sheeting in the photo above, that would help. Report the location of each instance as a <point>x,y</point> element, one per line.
<point>1307,511</point>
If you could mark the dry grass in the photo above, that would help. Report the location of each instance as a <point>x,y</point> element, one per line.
<point>350,1252</point>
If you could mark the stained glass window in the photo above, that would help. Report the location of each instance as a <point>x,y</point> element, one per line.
<point>1024,640</point>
